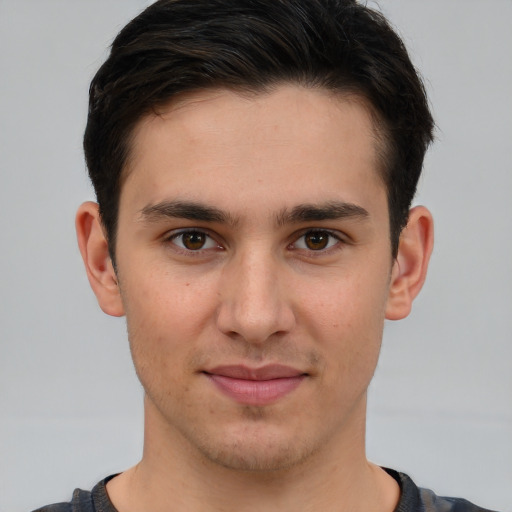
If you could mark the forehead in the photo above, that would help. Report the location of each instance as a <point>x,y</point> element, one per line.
<point>218,142</point>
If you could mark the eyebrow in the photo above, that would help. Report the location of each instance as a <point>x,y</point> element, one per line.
<point>185,210</point>
<point>331,210</point>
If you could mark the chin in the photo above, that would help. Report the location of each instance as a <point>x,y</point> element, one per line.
<point>256,450</point>
<point>255,459</point>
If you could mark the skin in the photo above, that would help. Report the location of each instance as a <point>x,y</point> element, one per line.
<point>287,261</point>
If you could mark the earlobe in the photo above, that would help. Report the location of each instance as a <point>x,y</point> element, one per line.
<point>411,264</point>
<point>98,265</point>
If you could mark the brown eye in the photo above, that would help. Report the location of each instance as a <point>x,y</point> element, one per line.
<point>193,240</point>
<point>316,240</point>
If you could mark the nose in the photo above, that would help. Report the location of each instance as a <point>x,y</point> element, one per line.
<point>254,304</point>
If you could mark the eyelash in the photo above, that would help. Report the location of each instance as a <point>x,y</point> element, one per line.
<point>332,235</point>
<point>172,237</point>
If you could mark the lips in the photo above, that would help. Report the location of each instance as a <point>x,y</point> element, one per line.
<point>256,386</point>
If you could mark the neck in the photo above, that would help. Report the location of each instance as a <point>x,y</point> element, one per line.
<point>173,475</point>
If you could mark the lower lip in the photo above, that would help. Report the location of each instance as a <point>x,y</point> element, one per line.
<point>256,392</point>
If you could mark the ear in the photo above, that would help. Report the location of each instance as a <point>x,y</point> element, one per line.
<point>410,267</point>
<point>98,265</point>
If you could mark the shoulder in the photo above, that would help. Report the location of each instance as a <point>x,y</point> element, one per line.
<point>85,501</point>
<point>81,502</point>
<point>416,499</point>
<point>56,507</point>
<point>434,503</point>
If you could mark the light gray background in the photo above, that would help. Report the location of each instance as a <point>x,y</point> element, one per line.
<point>70,406</point>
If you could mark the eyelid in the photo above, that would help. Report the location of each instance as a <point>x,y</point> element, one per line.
<point>341,239</point>
<point>172,235</point>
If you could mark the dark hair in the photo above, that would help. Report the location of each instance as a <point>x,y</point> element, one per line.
<point>251,45</point>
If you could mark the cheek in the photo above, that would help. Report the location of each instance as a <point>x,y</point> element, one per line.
<point>165,317</point>
<point>346,319</point>
<point>168,303</point>
<point>344,301</point>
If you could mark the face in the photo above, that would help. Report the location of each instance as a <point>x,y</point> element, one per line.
<point>254,265</point>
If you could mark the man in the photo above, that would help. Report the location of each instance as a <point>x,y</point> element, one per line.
<point>254,164</point>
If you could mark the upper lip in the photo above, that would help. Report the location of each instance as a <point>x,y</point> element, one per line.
<point>268,372</point>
